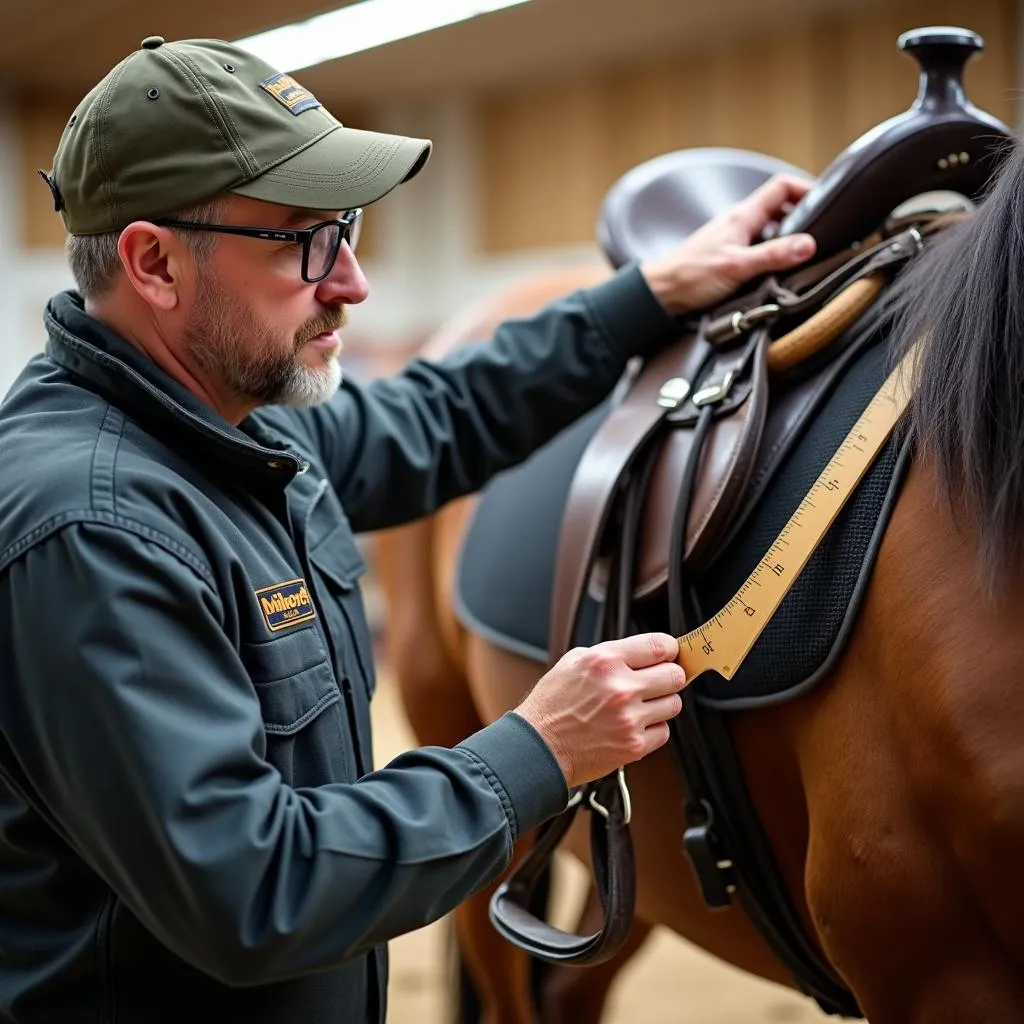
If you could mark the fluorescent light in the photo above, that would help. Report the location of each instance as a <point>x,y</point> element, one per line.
<point>361,26</point>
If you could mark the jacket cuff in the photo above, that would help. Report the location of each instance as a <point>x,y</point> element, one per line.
<point>523,770</point>
<point>628,313</point>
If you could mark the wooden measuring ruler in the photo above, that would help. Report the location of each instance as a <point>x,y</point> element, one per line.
<point>722,642</point>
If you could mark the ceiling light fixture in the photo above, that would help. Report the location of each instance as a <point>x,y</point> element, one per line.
<point>361,26</point>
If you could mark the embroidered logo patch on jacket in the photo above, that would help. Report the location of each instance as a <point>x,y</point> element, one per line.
<point>285,604</point>
<point>289,93</point>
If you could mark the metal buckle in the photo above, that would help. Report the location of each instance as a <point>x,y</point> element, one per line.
<point>673,392</point>
<point>742,321</point>
<point>711,393</point>
<point>627,804</point>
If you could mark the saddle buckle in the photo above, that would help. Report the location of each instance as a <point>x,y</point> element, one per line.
<point>673,392</point>
<point>716,391</point>
<point>627,803</point>
<point>713,873</point>
<point>730,326</point>
<point>754,316</point>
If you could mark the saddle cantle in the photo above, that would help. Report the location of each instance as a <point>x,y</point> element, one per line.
<point>665,481</point>
<point>665,199</point>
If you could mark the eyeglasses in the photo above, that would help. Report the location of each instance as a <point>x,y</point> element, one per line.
<point>320,243</point>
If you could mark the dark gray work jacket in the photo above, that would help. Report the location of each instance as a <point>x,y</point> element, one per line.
<point>190,826</point>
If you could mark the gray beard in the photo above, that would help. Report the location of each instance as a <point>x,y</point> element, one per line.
<point>253,369</point>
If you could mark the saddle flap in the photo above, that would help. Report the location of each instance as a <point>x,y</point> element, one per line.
<point>737,384</point>
<point>725,467</point>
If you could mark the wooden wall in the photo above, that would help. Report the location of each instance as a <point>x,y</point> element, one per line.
<point>548,155</point>
<point>40,127</point>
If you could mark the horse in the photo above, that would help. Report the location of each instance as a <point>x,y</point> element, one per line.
<point>891,792</point>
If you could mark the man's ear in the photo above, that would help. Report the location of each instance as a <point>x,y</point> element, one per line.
<point>156,262</point>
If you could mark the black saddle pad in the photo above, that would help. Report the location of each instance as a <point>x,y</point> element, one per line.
<point>506,568</point>
<point>507,562</point>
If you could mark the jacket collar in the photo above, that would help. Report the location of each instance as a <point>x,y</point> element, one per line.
<point>109,365</point>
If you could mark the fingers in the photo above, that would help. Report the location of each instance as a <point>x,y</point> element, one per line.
<point>771,200</point>
<point>643,649</point>
<point>660,709</point>
<point>655,736</point>
<point>656,681</point>
<point>777,255</point>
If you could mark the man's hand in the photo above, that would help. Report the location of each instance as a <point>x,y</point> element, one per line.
<point>605,706</point>
<point>718,257</point>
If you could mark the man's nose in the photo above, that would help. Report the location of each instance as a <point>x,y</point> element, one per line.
<point>346,283</point>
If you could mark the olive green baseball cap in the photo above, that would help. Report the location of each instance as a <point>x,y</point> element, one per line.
<point>175,124</point>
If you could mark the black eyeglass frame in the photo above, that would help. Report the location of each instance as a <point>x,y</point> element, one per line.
<point>348,224</point>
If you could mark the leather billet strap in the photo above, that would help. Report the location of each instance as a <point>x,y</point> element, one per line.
<point>610,456</point>
<point>612,855</point>
<point>597,481</point>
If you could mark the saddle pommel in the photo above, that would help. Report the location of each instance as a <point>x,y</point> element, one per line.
<point>942,142</point>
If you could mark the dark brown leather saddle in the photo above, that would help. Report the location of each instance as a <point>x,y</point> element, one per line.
<point>681,456</point>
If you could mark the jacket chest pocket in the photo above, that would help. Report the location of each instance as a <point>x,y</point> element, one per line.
<point>300,706</point>
<point>340,564</point>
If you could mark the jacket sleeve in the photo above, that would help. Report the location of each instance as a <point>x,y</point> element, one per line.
<point>139,732</point>
<point>399,448</point>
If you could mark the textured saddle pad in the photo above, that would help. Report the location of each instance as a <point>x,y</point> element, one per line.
<point>506,568</point>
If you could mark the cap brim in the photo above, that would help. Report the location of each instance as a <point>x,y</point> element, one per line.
<point>341,170</point>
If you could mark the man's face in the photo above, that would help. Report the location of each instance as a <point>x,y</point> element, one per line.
<point>255,326</point>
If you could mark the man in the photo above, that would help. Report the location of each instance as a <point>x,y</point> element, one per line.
<point>189,826</point>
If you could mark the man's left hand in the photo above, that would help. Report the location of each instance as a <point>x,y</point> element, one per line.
<point>717,258</point>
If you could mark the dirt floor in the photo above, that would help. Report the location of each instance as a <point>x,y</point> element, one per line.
<point>668,982</point>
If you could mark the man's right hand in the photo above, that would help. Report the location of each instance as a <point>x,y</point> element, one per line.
<point>605,706</point>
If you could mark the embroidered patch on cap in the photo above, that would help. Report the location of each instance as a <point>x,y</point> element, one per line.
<point>289,93</point>
<point>285,604</point>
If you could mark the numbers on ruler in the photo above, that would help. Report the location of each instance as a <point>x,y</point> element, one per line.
<point>835,479</point>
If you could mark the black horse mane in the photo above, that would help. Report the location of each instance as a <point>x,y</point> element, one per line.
<point>965,298</point>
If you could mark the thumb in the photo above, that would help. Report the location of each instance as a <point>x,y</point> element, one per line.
<point>779,254</point>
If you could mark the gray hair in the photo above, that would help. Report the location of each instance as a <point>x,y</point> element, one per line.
<point>95,263</point>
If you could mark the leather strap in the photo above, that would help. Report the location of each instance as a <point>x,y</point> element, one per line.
<point>612,854</point>
<point>782,301</point>
<point>607,461</point>
<point>611,455</point>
